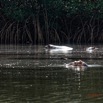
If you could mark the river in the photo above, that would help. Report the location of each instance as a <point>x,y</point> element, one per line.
<point>30,74</point>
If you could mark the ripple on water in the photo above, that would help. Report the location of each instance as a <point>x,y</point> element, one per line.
<point>38,77</point>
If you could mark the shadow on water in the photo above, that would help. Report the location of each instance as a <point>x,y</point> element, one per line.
<point>28,74</point>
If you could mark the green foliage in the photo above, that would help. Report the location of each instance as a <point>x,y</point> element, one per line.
<point>54,7</point>
<point>52,17</point>
<point>21,9</point>
<point>70,7</point>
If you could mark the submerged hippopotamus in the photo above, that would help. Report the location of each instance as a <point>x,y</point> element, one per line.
<point>77,65</point>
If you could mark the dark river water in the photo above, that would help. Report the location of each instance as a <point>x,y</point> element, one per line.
<point>30,74</point>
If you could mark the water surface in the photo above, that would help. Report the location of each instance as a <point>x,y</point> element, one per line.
<point>29,74</point>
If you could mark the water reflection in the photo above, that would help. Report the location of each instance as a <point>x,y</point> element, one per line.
<point>58,51</point>
<point>39,77</point>
<point>52,86</point>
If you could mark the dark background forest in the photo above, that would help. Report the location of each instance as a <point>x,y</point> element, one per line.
<point>51,21</point>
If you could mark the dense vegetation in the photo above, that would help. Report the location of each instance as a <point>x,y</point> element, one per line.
<point>51,21</point>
